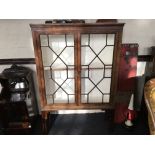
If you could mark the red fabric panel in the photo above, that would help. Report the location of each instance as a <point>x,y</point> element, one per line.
<point>127,67</point>
<point>121,110</point>
<point>126,78</point>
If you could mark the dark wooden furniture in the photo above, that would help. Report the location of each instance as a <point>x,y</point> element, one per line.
<point>14,118</point>
<point>17,100</point>
<point>106,21</point>
<point>77,65</point>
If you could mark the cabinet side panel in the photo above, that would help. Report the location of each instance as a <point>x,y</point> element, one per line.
<point>39,66</point>
<point>116,61</point>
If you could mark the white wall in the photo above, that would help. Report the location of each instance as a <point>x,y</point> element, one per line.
<point>141,32</point>
<point>16,40</point>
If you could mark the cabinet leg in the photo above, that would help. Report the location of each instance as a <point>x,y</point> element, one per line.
<point>44,122</point>
<point>109,116</point>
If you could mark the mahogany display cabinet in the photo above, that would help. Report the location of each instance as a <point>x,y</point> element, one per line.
<point>77,65</point>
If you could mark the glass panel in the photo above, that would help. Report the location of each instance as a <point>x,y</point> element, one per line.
<point>59,76</point>
<point>108,73</point>
<point>110,39</point>
<point>96,75</point>
<point>71,98</point>
<point>84,98</point>
<point>104,85</point>
<point>97,42</point>
<point>57,43</point>
<point>50,84</point>
<point>60,96</point>
<point>68,86</point>
<point>95,96</point>
<point>86,86</point>
<point>70,74</point>
<point>96,61</point>
<point>84,73</point>
<point>48,56</point>
<point>43,40</point>
<point>87,55</point>
<point>70,40</point>
<point>107,55</point>
<point>58,63</point>
<point>106,98</point>
<point>68,55</point>
<point>85,40</point>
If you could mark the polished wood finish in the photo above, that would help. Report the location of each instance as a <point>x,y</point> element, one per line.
<point>45,115</point>
<point>76,66</point>
<point>73,106</point>
<point>78,69</point>
<point>76,30</point>
<point>40,70</point>
<point>116,60</point>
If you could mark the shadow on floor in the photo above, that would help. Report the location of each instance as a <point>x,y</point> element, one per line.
<point>93,124</point>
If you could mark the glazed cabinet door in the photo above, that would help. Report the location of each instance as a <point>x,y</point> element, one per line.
<point>97,52</point>
<point>58,55</point>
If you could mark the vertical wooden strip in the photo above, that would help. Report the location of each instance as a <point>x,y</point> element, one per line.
<point>39,67</point>
<point>116,59</point>
<point>77,72</point>
<point>79,68</point>
<point>76,64</point>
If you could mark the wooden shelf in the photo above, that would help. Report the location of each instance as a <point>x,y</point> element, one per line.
<point>73,106</point>
<point>63,69</point>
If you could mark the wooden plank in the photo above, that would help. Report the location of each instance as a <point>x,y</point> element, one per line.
<point>79,69</point>
<point>48,29</point>
<point>84,106</point>
<point>76,25</point>
<point>17,61</point>
<point>63,69</point>
<point>76,66</point>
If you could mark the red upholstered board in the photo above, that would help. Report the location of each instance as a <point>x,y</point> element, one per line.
<point>127,67</point>
<point>126,78</point>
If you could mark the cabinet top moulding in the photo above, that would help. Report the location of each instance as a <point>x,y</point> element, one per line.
<point>78,26</point>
